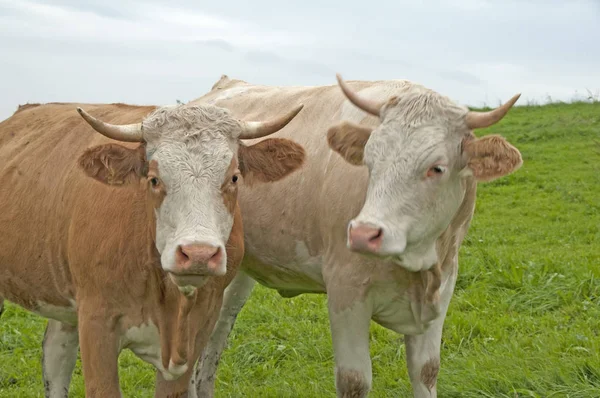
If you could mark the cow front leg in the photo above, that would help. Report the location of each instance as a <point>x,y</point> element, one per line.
<point>234,298</point>
<point>183,387</point>
<point>59,355</point>
<point>99,346</point>
<point>423,350</point>
<point>350,334</point>
<point>423,359</point>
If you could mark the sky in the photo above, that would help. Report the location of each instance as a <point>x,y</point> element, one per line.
<point>477,52</point>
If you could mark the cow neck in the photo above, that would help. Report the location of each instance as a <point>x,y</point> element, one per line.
<point>179,317</point>
<point>425,285</point>
<point>168,308</point>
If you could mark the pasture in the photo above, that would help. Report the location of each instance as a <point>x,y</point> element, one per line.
<point>524,320</point>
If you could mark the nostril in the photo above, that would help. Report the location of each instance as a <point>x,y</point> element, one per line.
<point>217,255</point>
<point>182,257</point>
<point>377,235</point>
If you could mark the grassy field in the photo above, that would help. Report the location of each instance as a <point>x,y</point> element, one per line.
<point>524,321</point>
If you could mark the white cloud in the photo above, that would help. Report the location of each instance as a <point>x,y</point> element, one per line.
<point>151,23</point>
<point>476,51</point>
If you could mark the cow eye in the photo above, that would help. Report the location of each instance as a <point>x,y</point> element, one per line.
<point>154,181</point>
<point>436,170</point>
<point>234,179</point>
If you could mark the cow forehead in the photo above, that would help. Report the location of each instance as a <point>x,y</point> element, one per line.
<point>196,141</point>
<point>189,123</point>
<point>204,160</point>
<point>417,122</point>
<point>392,141</point>
<point>415,105</point>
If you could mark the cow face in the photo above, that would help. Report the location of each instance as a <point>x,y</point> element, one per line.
<point>191,162</point>
<point>418,159</point>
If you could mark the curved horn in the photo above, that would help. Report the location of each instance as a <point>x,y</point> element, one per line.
<point>369,106</point>
<point>252,130</point>
<point>126,132</point>
<point>478,120</point>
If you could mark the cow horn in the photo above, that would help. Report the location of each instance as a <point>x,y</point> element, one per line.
<point>369,106</point>
<point>478,120</point>
<point>126,132</point>
<point>252,130</point>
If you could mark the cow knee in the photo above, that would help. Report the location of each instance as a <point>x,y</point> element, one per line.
<point>352,384</point>
<point>429,373</point>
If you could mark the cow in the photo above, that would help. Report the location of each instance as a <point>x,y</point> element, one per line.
<point>374,220</point>
<point>127,238</point>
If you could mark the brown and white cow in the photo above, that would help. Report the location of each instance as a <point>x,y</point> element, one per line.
<point>127,245</point>
<point>392,173</point>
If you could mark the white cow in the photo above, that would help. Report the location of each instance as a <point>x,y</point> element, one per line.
<point>400,187</point>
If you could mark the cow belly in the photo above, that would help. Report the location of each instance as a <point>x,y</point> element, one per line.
<point>296,275</point>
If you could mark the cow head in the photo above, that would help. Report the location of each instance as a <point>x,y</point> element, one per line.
<point>190,161</point>
<point>418,159</point>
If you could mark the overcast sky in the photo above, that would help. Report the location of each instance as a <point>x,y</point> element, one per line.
<point>157,52</point>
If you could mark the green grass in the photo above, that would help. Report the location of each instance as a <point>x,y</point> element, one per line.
<point>524,321</point>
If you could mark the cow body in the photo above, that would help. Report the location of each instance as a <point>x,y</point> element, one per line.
<point>84,254</point>
<point>296,241</point>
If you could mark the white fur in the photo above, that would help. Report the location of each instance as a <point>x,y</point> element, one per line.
<point>310,265</point>
<point>60,348</point>
<point>412,209</point>
<point>144,341</point>
<point>193,146</point>
<point>350,335</point>
<point>229,93</point>
<point>67,315</point>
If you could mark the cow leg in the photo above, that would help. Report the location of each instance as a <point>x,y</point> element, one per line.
<point>183,387</point>
<point>423,350</point>
<point>1,306</point>
<point>350,335</point>
<point>234,298</point>
<point>99,346</point>
<point>423,360</point>
<point>59,356</point>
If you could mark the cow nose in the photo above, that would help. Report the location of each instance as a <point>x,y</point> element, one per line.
<point>198,258</point>
<point>365,238</point>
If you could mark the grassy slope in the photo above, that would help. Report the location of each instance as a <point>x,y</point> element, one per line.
<point>524,320</point>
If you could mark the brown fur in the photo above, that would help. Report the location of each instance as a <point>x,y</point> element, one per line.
<point>73,239</point>
<point>229,188</point>
<point>157,193</point>
<point>429,372</point>
<point>349,141</point>
<point>351,384</point>
<point>114,164</point>
<point>270,160</point>
<point>27,106</point>
<point>393,101</point>
<point>492,157</point>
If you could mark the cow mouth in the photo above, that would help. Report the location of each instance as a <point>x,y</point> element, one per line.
<point>412,266</point>
<point>188,281</point>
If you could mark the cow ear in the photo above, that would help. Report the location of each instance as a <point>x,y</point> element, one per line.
<point>114,164</point>
<point>270,160</point>
<point>491,157</point>
<point>349,141</point>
